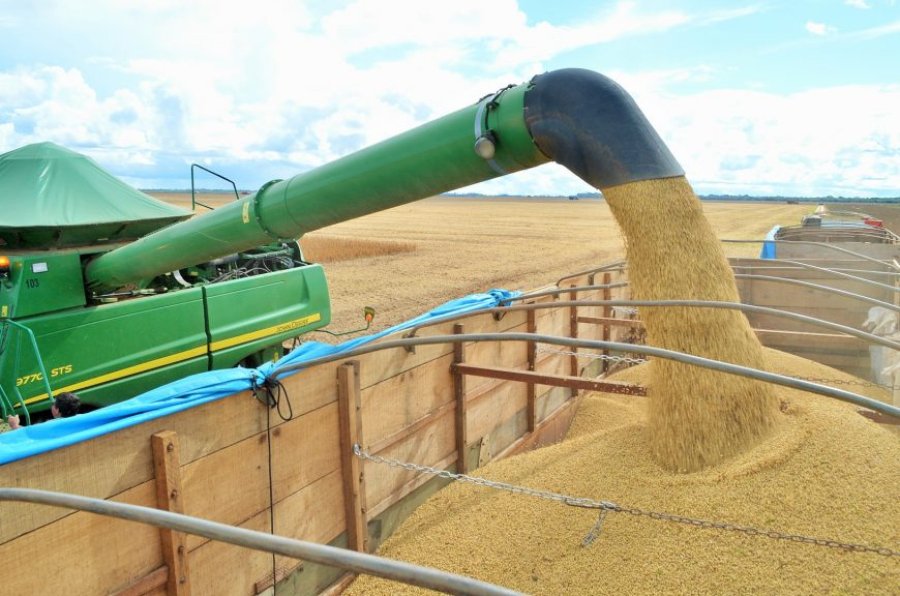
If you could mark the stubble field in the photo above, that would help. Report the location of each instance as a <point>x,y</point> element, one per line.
<point>451,247</point>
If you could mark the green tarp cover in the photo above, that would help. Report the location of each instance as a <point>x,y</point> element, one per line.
<point>51,196</point>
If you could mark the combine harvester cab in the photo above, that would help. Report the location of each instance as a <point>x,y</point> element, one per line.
<point>62,211</point>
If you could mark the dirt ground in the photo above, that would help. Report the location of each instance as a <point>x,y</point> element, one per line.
<point>467,245</point>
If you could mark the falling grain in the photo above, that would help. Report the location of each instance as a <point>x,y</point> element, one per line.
<point>697,417</point>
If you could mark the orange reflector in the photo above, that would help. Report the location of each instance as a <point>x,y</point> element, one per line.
<point>4,263</point>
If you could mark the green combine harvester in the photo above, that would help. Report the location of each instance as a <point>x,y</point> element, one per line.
<point>107,292</point>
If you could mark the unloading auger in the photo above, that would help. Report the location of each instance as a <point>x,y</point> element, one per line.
<point>578,118</point>
<point>111,309</point>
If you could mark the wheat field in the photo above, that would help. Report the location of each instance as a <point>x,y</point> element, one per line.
<point>456,246</point>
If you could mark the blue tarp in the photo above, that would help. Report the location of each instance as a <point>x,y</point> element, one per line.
<point>201,388</point>
<point>768,248</point>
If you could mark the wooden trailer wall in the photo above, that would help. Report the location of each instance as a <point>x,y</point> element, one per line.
<point>840,351</point>
<point>235,461</point>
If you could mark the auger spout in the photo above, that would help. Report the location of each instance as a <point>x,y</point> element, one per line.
<point>578,118</point>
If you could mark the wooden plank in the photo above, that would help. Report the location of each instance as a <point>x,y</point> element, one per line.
<point>414,482</point>
<point>84,553</point>
<point>611,321</point>
<point>170,497</point>
<point>459,392</point>
<point>551,430</point>
<point>607,314</point>
<point>230,485</point>
<point>552,321</point>
<point>306,449</point>
<point>430,445</point>
<point>310,389</point>
<point>573,333</point>
<point>147,584</point>
<point>821,341</point>
<point>411,429</point>
<point>351,435</point>
<point>766,293</point>
<point>317,513</point>
<point>338,587</point>
<point>382,365</point>
<point>496,353</point>
<point>222,568</point>
<point>848,318</point>
<point>392,405</point>
<point>576,383</point>
<point>490,410</point>
<point>531,414</point>
<point>113,463</point>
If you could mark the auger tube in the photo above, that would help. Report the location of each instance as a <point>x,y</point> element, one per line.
<point>578,118</point>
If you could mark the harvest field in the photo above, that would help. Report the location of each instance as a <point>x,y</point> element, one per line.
<point>466,245</point>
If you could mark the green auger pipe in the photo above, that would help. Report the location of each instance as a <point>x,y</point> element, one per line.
<point>576,117</point>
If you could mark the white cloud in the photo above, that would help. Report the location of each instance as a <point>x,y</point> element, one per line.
<point>752,142</point>
<point>819,28</point>
<point>875,32</point>
<point>862,4</point>
<point>269,89</point>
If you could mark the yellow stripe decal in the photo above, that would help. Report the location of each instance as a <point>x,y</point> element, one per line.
<point>124,372</point>
<point>282,328</point>
<point>180,356</point>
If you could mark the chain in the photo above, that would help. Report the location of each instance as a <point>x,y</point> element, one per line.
<point>627,360</point>
<point>859,383</point>
<point>608,357</point>
<point>606,506</point>
<point>519,490</point>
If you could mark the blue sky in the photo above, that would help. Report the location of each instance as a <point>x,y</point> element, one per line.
<point>796,97</point>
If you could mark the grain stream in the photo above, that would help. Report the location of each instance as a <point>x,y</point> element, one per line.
<point>697,417</point>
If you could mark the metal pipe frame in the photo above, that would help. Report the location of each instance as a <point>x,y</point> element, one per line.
<point>858,333</point>
<point>709,363</point>
<point>889,288</point>
<point>614,266</point>
<point>811,243</point>
<point>356,562</point>
<point>806,284</point>
<point>621,266</point>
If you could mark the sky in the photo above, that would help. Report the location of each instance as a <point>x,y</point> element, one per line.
<point>798,97</point>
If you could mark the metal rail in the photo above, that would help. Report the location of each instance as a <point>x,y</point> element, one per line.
<point>820,287</point>
<point>877,284</point>
<point>858,333</point>
<point>709,363</point>
<point>771,278</point>
<point>407,573</point>
<point>621,266</point>
<point>774,265</point>
<point>811,243</point>
<point>614,266</point>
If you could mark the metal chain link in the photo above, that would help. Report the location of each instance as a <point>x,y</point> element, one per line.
<point>608,357</point>
<point>628,360</point>
<point>606,506</point>
<point>859,383</point>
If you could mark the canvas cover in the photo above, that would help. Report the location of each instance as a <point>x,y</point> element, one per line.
<point>52,197</point>
<point>201,388</point>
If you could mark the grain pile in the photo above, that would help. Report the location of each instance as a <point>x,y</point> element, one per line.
<point>827,472</point>
<point>697,417</point>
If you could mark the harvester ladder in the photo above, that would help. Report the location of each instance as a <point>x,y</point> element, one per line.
<point>5,337</point>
